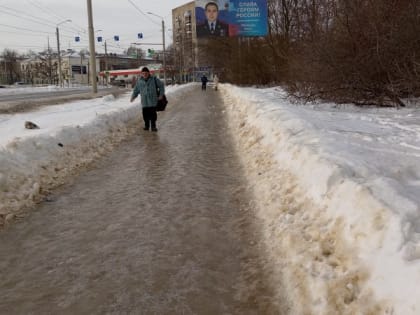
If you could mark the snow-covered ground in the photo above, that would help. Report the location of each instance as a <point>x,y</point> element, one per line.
<point>19,89</point>
<point>70,135</point>
<point>335,188</point>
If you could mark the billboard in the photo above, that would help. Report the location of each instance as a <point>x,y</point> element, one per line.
<point>229,18</point>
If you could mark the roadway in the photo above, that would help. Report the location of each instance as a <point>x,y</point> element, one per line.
<point>19,100</point>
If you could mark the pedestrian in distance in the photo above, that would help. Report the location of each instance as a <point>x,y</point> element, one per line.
<point>148,86</point>
<point>216,82</point>
<point>204,81</point>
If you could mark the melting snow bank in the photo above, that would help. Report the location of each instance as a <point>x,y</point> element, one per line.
<point>334,246</point>
<point>71,135</point>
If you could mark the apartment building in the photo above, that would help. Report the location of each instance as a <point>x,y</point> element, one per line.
<point>185,41</point>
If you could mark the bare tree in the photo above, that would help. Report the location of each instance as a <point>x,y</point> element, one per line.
<point>11,66</point>
<point>360,51</point>
<point>46,68</point>
<point>135,52</point>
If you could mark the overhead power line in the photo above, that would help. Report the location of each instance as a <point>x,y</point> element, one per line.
<point>55,16</point>
<point>34,18</point>
<point>46,10</point>
<point>23,34</point>
<point>25,29</point>
<point>28,17</point>
<point>29,46</point>
<point>143,13</point>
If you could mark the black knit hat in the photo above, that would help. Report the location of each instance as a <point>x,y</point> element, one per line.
<point>145,69</point>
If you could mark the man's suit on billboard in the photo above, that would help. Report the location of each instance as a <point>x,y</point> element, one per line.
<point>218,29</point>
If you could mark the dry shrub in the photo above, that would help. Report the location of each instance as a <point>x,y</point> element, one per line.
<point>360,51</point>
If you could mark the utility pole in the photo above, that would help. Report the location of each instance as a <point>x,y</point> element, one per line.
<point>106,58</point>
<point>164,52</point>
<point>59,57</point>
<point>92,48</point>
<point>106,64</point>
<point>60,76</point>
<point>81,67</point>
<point>49,62</point>
<point>163,43</point>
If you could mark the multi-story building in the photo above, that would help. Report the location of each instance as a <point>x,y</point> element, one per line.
<point>43,68</point>
<point>40,69</point>
<point>185,41</point>
<point>75,67</point>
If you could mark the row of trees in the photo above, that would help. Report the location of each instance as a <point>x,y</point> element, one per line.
<point>44,68</point>
<point>45,64</point>
<point>361,51</point>
<point>10,71</point>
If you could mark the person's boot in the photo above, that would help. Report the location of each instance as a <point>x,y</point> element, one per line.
<point>146,127</point>
<point>154,127</point>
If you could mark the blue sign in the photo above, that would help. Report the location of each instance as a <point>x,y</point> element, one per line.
<point>116,38</point>
<point>229,18</point>
<point>99,39</point>
<point>140,35</point>
<point>77,39</point>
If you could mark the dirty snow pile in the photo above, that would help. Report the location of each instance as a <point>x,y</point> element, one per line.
<point>71,135</point>
<point>13,90</point>
<point>337,192</point>
<point>335,188</point>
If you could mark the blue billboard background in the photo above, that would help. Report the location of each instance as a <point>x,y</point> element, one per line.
<point>244,17</point>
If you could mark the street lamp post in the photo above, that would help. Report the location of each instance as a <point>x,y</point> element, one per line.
<point>92,48</point>
<point>163,44</point>
<point>105,59</point>
<point>60,76</point>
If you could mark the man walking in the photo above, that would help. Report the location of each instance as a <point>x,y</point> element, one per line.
<point>148,87</point>
<point>204,82</point>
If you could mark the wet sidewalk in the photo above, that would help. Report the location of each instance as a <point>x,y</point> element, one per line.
<point>157,227</point>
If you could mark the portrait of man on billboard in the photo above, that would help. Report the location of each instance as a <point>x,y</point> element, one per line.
<point>212,26</point>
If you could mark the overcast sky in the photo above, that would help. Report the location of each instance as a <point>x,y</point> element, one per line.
<point>29,24</point>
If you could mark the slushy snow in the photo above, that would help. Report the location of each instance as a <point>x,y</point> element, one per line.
<point>335,187</point>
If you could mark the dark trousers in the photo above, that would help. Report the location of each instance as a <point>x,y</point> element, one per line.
<point>149,117</point>
<point>203,86</point>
